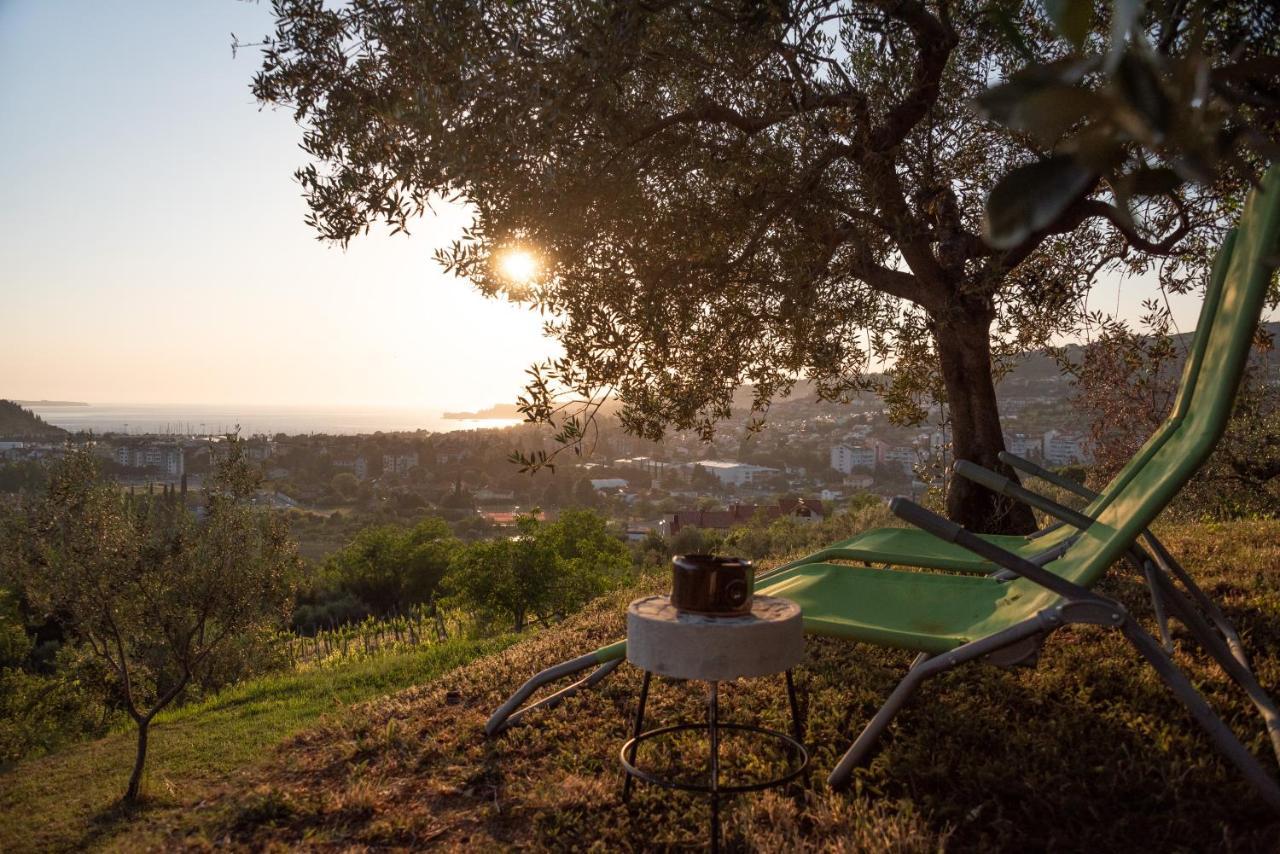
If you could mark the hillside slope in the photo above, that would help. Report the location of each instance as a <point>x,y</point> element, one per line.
<point>67,801</point>
<point>19,423</point>
<point>1088,751</point>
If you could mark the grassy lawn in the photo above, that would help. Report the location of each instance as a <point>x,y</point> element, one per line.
<point>67,800</point>
<point>1088,751</point>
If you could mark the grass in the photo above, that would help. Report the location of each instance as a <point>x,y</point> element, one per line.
<point>1086,751</point>
<point>68,800</point>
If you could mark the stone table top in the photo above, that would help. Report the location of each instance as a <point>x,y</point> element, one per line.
<point>681,645</point>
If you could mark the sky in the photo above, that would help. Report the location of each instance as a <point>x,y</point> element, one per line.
<point>153,249</point>
<point>152,243</point>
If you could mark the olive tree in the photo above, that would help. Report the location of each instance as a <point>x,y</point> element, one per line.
<point>725,194</point>
<point>151,590</point>
<point>546,570</point>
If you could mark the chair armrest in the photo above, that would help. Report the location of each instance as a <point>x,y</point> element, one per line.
<point>1056,479</point>
<point>945,529</point>
<point>1005,486</point>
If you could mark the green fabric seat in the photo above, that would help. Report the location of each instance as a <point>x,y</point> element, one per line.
<point>906,610</point>
<point>913,547</point>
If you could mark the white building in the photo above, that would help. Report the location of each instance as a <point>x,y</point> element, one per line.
<point>1023,445</point>
<point>904,457</point>
<point>171,459</point>
<point>1062,449</point>
<point>735,474</point>
<point>399,463</point>
<point>846,458</point>
<point>608,483</point>
<point>358,466</point>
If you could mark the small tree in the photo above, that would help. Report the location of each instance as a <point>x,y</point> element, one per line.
<point>547,570</point>
<point>390,568</point>
<point>345,485</point>
<point>149,589</point>
<point>1127,381</point>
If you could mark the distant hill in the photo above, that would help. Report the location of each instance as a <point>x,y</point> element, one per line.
<point>19,423</point>
<point>495,412</point>
<point>1039,368</point>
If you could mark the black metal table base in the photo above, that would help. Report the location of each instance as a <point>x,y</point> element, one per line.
<point>794,744</point>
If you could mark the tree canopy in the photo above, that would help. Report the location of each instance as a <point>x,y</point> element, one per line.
<point>725,194</point>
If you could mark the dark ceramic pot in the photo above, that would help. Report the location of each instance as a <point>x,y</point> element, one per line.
<point>710,584</point>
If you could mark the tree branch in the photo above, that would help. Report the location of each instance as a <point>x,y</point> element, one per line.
<point>934,43</point>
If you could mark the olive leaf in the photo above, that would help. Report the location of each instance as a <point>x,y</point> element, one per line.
<point>1141,90</point>
<point>1031,197</point>
<point>1071,18</point>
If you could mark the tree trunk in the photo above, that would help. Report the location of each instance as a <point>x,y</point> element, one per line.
<point>964,355</point>
<point>135,781</point>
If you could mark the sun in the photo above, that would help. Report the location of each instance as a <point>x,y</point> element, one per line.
<point>518,265</point>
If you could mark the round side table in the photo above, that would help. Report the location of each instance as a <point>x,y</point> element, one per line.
<point>680,645</point>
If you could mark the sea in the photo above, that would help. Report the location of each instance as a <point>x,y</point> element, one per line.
<point>198,419</point>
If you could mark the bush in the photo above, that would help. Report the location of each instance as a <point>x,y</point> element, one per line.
<point>390,569</point>
<point>40,713</point>
<point>547,571</point>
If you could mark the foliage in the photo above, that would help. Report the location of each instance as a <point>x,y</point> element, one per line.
<point>22,476</point>
<point>151,591</point>
<point>346,485</point>
<point>1126,382</point>
<point>1166,102</point>
<point>389,569</point>
<point>547,570</point>
<point>793,536</point>
<point>720,195</point>
<point>17,422</point>
<point>1242,478</point>
<point>14,643</point>
<point>42,712</point>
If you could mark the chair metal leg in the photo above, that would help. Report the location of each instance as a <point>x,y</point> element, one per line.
<point>635,734</point>
<point>1210,608</point>
<point>1218,649</point>
<point>797,727</point>
<point>921,669</point>
<point>1157,603</point>
<point>1182,688</point>
<point>713,726</point>
<point>510,712</point>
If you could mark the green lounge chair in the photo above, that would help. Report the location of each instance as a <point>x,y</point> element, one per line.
<point>954,619</point>
<point>913,547</point>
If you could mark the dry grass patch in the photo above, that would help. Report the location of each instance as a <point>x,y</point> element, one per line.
<point>1089,751</point>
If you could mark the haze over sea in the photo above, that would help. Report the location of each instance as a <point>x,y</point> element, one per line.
<point>194,418</point>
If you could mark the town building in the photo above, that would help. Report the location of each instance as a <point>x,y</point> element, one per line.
<point>735,515</point>
<point>734,474</point>
<point>170,459</point>
<point>846,458</point>
<point>1061,449</point>
<point>399,464</point>
<point>1022,445</point>
<point>906,458</point>
<point>358,466</point>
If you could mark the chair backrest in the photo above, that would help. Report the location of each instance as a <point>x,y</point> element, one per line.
<point>1207,401</point>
